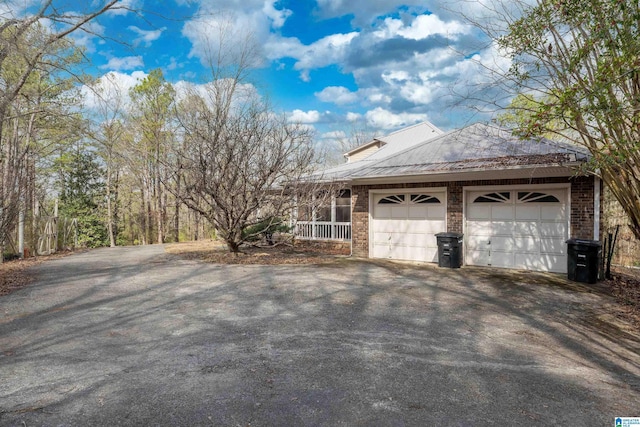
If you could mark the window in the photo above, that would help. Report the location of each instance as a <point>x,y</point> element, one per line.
<point>343,206</point>
<point>532,197</point>
<point>501,197</point>
<point>392,200</point>
<point>326,207</point>
<point>423,199</point>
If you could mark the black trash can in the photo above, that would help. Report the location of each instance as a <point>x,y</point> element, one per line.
<point>449,249</point>
<point>583,260</point>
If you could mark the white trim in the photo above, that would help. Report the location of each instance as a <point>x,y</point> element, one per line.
<point>596,208</point>
<point>400,190</point>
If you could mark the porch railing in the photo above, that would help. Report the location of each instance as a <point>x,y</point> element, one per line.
<point>307,230</point>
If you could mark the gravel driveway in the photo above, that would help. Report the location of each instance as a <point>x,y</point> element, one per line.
<point>133,336</point>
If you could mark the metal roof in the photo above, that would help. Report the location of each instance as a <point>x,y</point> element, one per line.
<point>475,147</point>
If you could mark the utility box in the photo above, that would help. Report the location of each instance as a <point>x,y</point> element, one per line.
<point>583,260</point>
<point>449,249</point>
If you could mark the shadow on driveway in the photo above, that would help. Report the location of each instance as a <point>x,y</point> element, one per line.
<point>133,336</point>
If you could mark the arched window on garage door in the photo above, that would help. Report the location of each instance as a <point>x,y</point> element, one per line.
<point>535,197</point>
<point>423,199</point>
<point>392,200</point>
<point>497,197</point>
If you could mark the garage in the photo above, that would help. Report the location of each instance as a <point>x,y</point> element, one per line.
<point>404,224</point>
<point>521,228</point>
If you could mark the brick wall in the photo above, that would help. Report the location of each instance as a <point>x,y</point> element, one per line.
<point>581,205</point>
<point>582,213</point>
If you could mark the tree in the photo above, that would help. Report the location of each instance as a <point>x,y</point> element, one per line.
<point>152,111</point>
<point>107,130</point>
<point>80,188</point>
<point>577,63</point>
<point>31,46</point>
<point>241,170</point>
<point>240,163</point>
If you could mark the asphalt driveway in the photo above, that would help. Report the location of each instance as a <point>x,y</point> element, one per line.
<point>133,336</point>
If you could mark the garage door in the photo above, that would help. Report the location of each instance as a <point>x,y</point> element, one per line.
<point>404,225</point>
<point>517,229</point>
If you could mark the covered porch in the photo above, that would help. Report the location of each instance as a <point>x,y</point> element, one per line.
<point>329,221</point>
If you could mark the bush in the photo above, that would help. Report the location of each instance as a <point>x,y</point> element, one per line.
<point>265,229</point>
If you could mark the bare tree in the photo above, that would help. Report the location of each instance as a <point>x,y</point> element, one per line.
<point>240,163</point>
<point>358,134</point>
<point>242,170</point>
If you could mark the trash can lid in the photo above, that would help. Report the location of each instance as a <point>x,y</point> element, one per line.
<point>585,242</point>
<point>451,235</point>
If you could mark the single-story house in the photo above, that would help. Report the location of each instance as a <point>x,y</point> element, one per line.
<point>516,201</point>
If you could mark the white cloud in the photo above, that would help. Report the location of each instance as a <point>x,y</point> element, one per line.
<point>365,11</point>
<point>336,134</point>
<point>145,37</point>
<point>125,6</point>
<point>326,51</point>
<point>299,116</point>
<point>408,58</point>
<point>277,16</point>
<point>420,28</point>
<point>353,117</point>
<point>228,26</point>
<point>339,95</point>
<point>173,64</point>
<point>380,118</point>
<point>126,63</point>
<point>224,36</point>
<point>112,87</point>
<point>86,38</point>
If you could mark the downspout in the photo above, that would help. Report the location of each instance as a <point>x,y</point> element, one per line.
<point>596,208</point>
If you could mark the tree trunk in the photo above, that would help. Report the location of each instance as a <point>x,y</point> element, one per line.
<point>176,222</point>
<point>112,240</point>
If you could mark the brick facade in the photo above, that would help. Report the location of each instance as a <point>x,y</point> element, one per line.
<point>582,205</point>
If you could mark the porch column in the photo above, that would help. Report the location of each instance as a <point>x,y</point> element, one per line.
<point>333,217</point>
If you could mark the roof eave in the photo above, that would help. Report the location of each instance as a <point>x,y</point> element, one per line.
<point>364,147</point>
<point>512,172</point>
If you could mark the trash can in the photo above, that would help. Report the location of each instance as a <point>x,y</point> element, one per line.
<point>449,249</point>
<point>583,260</point>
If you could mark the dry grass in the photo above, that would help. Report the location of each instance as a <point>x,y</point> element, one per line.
<point>14,274</point>
<point>625,286</point>
<point>300,253</point>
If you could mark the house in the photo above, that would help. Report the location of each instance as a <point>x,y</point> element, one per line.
<point>516,201</point>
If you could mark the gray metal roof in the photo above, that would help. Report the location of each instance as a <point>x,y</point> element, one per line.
<point>475,147</point>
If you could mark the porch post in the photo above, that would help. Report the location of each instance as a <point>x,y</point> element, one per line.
<point>313,216</point>
<point>333,217</point>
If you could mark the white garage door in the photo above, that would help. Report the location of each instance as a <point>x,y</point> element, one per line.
<point>404,225</point>
<point>517,229</point>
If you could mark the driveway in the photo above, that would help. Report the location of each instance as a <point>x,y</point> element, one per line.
<point>133,336</point>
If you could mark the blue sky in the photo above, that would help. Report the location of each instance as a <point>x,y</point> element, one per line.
<point>334,65</point>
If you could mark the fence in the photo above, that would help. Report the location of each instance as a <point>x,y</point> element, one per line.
<point>307,230</point>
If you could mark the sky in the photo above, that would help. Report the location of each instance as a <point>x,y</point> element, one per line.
<point>334,65</point>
